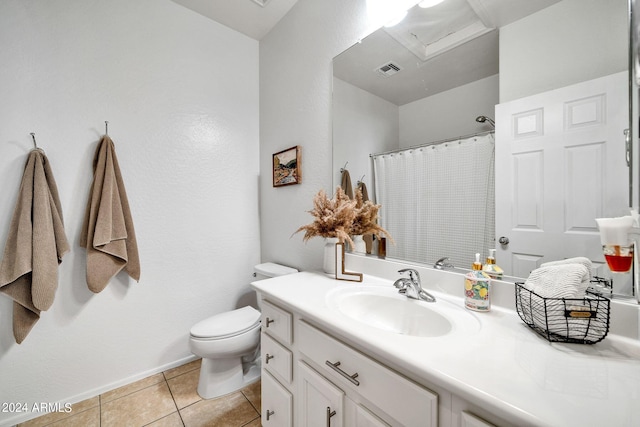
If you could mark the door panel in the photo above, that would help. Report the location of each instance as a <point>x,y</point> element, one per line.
<point>560,163</point>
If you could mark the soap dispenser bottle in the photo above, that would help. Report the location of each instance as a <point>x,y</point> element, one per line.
<point>491,268</point>
<point>476,286</point>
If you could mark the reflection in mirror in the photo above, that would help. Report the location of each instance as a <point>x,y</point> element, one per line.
<point>553,74</point>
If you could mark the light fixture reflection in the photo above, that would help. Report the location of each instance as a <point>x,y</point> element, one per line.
<point>397,19</point>
<point>429,3</point>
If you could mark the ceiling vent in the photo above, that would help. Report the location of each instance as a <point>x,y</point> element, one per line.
<point>388,69</point>
<point>262,3</point>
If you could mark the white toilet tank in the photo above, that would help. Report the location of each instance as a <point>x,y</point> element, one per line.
<point>270,269</point>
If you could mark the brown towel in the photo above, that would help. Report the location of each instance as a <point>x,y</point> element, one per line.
<point>346,184</point>
<point>35,246</point>
<point>107,232</point>
<point>368,238</point>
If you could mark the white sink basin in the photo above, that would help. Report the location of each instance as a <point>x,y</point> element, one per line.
<point>385,309</point>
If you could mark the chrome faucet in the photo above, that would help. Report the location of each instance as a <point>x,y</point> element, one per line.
<point>443,263</point>
<point>411,286</point>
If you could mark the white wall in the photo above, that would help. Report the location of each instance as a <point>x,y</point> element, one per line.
<point>295,109</point>
<point>181,95</point>
<point>449,114</point>
<point>362,124</point>
<point>534,50</point>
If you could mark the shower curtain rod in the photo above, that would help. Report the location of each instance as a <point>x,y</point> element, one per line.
<point>428,144</point>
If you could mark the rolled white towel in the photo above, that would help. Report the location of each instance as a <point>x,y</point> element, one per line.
<point>576,260</point>
<point>559,281</point>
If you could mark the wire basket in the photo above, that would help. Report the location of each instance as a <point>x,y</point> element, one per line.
<point>572,320</point>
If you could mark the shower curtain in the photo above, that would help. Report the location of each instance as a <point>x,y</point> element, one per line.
<point>438,200</point>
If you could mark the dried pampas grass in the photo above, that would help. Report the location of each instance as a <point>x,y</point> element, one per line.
<point>332,217</point>
<point>366,219</point>
<point>342,217</point>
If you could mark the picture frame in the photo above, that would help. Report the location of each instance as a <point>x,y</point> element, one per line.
<point>286,167</point>
<point>341,274</point>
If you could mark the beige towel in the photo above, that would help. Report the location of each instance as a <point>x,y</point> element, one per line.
<point>346,184</point>
<point>368,238</point>
<point>107,232</point>
<point>35,246</point>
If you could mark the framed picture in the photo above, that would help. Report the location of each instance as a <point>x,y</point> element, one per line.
<point>286,167</point>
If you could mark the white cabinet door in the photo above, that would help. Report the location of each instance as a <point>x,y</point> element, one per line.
<point>560,163</point>
<point>364,418</point>
<point>320,403</point>
<point>277,403</point>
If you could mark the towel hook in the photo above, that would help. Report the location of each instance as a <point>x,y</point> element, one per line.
<point>33,136</point>
<point>342,169</point>
<point>106,127</point>
<point>360,180</point>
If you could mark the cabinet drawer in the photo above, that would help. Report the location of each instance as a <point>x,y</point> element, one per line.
<point>277,403</point>
<point>276,358</point>
<point>277,322</point>
<point>403,400</point>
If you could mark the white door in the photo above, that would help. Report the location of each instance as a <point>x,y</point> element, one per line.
<point>560,163</point>
<point>320,403</point>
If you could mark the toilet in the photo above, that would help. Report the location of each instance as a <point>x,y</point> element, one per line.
<point>229,344</point>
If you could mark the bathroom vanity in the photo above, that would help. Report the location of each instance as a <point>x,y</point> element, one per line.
<point>338,353</point>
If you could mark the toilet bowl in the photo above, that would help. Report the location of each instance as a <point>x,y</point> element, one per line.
<point>229,344</point>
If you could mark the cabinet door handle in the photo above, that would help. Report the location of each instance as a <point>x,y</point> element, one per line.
<point>269,321</point>
<point>351,378</point>
<point>269,414</point>
<point>330,414</point>
<point>268,357</point>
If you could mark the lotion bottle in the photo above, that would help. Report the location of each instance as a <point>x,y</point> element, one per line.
<point>476,288</point>
<point>491,268</point>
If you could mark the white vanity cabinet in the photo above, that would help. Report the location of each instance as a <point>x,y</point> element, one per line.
<point>310,378</point>
<point>390,396</point>
<point>277,367</point>
<point>319,401</point>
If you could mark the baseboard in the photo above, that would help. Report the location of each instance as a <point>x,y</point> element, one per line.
<point>22,417</point>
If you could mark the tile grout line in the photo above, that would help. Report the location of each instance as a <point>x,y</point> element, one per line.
<point>251,403</point>
<point>173,397</point>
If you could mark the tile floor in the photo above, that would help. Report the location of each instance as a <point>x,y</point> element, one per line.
<point>168,399</point>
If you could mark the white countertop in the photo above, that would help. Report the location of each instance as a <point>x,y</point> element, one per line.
<point>502,365</point>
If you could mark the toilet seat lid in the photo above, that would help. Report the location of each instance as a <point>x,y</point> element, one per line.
<point>227,324</point>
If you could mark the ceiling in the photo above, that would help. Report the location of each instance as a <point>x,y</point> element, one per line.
<point>436,49</point>
<point>245,16</point>
<point>414,44</point>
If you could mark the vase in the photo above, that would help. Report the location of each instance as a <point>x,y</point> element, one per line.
<point>329,265</point>
<point>359,245</point>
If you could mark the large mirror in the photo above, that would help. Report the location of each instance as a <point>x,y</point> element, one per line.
<point>544,71</point>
